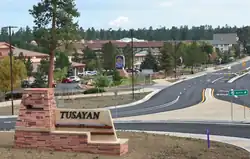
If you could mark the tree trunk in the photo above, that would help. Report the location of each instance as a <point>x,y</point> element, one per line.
<point>192,69</point>
<point>51,69</point>
<point>52,49</point>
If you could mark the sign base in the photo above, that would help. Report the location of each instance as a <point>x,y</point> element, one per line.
<point>123,73</point>
<point>41,125</point>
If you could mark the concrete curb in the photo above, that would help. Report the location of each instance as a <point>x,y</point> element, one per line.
<point>146,98</point>
<point>235,141</point>
<point>214,122</point>
<point>8,116</point>
<point>149,108</point>
<point>238,77</point>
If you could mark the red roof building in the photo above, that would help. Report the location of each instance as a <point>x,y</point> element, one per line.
<point>97,44</point>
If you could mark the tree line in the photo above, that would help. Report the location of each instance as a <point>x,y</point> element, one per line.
<point>24,36</point>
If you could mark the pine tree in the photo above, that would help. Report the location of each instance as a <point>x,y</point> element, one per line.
<point>149,62</point>
<point>29,67</point>
<point>166,58</point>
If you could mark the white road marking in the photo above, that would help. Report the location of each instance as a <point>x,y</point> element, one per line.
<point>151,108</point>
<point>8,122</point>
<point>180,92</point>
<point>221,94</point>
<point>224,91</point>
<point>217,79</point>
<point>184,89</point>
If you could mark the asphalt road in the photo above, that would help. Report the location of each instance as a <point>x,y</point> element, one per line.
<point>221,92</point>
<point>223,129</point>
<point>181,95</point>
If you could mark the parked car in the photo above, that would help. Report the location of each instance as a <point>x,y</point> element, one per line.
<point>25,84</point>
<point>16,95</point>
<point>81,74</point>
<point>67,80</point>
<point>75,78</point>
<point>90,73</point>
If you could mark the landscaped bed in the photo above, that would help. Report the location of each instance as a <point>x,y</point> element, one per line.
<point>141,146</point>
<point>87,102</point>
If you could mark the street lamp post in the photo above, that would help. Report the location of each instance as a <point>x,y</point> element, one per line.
<point>175,59</point>
<point>132,62</point>
<point>11,66</point>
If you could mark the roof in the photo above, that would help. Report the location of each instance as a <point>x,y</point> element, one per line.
<point>28,53</point>
<point>75,64</point>
<point>228,38</point>
<point>130,39</point>
<point>74,46</point>
<point>144,44</point>
<point>217,42</point>
<point>5,45</point>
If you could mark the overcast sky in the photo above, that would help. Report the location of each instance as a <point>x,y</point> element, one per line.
<point>139,13</point>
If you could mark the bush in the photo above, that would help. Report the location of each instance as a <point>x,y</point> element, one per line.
<point>101,81</point>
<point>94,90</point>
<point>117,78</point>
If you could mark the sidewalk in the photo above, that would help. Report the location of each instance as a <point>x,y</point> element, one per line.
<point>212,109</point>
<point>143,90</point>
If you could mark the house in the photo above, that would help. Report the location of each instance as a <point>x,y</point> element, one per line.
<point>35,57</point>
<point>224,41</point>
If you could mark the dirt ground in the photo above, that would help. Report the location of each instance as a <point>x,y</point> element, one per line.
<point>141,146</point>
<point>87,102</point>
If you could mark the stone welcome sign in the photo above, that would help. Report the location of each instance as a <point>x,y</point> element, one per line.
<point>41,125</point>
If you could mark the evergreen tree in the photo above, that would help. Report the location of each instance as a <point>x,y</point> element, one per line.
<point>62,60</point>
<point>166,58</point>
<point>60,15</point>
<point>149,62</point>
<point>29,67</point>
<point>109,51</point>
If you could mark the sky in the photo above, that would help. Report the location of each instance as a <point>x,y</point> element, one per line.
<point>139,13</point>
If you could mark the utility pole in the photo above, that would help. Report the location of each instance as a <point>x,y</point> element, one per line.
<point>175,58</point>
<point>11,65</point>
<point>132,58</point>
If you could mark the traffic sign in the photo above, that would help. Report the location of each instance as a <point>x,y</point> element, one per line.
<point>243,92</point>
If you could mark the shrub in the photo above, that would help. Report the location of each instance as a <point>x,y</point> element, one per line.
<point>117,78</point>
<point>94,90</point>
<point>101,81</point>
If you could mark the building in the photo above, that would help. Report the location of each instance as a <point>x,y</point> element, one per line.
<point>224,41</point>
<point>35,57</point>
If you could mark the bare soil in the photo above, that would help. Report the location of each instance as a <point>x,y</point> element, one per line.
<point>141,146</point>
<point>86,103</point>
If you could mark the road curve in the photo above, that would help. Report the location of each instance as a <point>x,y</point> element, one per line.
<point>188,93</point>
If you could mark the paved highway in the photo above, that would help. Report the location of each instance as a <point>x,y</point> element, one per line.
<point>221,91</point>
<point>223,129</point>
<point>181,95</point>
